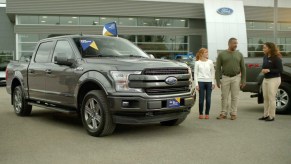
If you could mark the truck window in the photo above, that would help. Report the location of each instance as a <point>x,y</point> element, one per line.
<point>43,52</point>
<point>63,49</point>
<point>107,47</point>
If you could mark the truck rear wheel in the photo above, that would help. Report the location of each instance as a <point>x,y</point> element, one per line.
<point>95,114</point>
<point>21,108</point>
<point>173,122</point>
<point>283,97</point>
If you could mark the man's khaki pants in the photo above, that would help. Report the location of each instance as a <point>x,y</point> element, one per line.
<point>230,86</point>
<point>270,88</point>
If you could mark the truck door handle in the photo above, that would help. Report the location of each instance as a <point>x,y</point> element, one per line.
<point>31,71</point>
<point>48,71</point>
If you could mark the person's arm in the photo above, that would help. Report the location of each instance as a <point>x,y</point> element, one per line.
<point>212,72</point>
<point>218,70</point>
<point>278,66</point>
<point>196,73</point>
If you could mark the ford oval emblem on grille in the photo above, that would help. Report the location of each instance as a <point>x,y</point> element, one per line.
<point>171,80</point>
<point>225,11</point>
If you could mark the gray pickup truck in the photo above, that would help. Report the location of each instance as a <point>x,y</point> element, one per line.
<point>254,79</point>
<point>106,80</point>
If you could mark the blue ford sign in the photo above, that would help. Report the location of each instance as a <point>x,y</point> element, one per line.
<point>171,80</point>
<point>225,11</point>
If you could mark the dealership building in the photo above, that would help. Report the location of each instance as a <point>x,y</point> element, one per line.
<point>163,28</point>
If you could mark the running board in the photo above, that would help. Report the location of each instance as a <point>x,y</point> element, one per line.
<point>53,108</point>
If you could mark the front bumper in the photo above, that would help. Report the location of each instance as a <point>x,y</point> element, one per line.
<point>139,110</point>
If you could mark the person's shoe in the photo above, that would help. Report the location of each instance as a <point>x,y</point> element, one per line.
<point>233,117</point>
<point>200,117</point>
<point>263,118</point>
<point>221,117</point>
<point>206,116</point>
<point>270,119</point>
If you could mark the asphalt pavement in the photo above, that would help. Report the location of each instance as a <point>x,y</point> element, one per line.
<point>48,137</point>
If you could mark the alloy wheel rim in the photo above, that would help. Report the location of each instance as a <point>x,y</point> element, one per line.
<point>17,101</point>
<point>93,114</point>
<point>282,99</point>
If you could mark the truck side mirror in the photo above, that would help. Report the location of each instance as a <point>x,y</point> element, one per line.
<point>63,60</point>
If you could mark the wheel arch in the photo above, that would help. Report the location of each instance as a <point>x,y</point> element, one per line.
<point>15,82</point>
<point>89,81</point>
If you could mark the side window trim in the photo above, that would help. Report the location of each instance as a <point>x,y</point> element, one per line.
<point>50,52</point>
<point>54,49</point>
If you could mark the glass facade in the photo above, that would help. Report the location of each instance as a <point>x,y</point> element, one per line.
<point>255,44</point>
<point>160,46</point>
<point>27,43</point>
<point>165,46</point>
<point>97,20</point>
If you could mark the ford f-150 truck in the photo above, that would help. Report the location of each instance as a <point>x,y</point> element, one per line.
<point>107,80</point>
<point>254,79</point>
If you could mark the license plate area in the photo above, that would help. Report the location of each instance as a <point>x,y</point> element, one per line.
<point>174,103</point>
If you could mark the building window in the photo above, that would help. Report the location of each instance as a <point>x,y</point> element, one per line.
<point>104,20</point>
<point>162,46</point>
<point>49,19</point>
<point>89,21</point>
<point>97,20</point>
<point>285,27</point>
<point>72,20</point>
<point>127,21</point>
<point>164,22</point>
<point>26,44</point>
<point>26,19</point>
<point>255,46</point>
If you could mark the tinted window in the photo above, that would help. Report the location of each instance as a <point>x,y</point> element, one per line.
<point>43,52</point>
<point>63,49</point>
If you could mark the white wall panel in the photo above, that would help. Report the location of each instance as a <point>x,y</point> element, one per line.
<point>222,27</point>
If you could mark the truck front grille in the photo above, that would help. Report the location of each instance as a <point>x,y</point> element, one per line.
<point>158,86</point>
<point>165,71</point>
<point>173,90</point>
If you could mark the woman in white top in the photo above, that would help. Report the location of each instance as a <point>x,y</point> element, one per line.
<point>204,80</point>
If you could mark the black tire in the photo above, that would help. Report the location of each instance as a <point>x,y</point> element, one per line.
<point>21,108</point>
<point>95,114</point>
<point>283,98</point>
<point>173,122</point>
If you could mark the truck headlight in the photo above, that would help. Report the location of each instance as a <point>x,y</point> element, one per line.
<point>191,78</point>
<point>121,81</point>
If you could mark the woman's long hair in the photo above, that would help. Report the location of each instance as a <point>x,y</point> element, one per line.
<point>274,51</point>
<point>200,53</point>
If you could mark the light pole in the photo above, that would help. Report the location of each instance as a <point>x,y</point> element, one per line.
<point>275,19</point>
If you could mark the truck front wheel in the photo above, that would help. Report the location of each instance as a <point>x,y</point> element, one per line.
<point>283,97</point>
<point>21,108</point>
<point>95,114</point>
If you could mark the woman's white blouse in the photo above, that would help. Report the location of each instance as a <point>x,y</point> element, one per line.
<point>204,72</point>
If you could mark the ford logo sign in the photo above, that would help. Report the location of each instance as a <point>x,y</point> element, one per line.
<point>225,11</point>
<point>171,80</point>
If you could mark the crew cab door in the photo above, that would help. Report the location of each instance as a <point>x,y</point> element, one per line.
<point>61,79</point>
<point>37,71</point>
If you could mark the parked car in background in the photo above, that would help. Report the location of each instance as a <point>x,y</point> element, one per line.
<point>188,59</point>
<point>2,70</point>
<point>254,79</point>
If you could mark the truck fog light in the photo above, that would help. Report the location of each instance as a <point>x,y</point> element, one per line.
<point>125,103</point>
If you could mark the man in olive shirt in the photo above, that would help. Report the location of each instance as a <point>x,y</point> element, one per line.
<point>230,76</point>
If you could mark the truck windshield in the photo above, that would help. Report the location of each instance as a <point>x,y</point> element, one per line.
<point>107,47</point>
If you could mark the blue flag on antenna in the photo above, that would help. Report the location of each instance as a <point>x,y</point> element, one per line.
<point>110,29</point>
